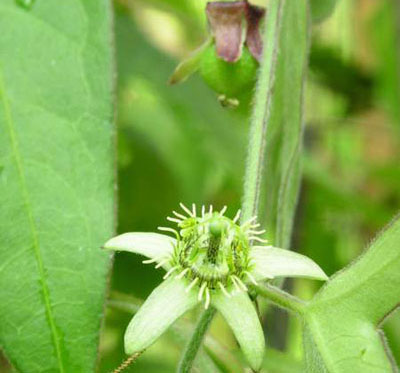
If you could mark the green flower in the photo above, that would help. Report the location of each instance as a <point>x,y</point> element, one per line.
<point>211,260</point>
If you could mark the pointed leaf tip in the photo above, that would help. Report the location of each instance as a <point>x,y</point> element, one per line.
<point>160,310</point>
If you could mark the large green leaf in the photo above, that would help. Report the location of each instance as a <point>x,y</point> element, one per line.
<point>342,322</point>
<point>57,181</point>
<point>284,140</point>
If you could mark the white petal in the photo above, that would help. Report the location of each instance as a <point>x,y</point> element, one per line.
<point>153,245</point>
<point>241,316</point>
<point>270,262</point>
<point>164,305</point>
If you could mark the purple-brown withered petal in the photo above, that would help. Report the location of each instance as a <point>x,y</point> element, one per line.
<point>226,23</point>
<point>254,15</point>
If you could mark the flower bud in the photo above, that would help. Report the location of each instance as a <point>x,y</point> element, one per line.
<point>228,61</point>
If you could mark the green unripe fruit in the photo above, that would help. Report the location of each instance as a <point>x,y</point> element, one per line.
<point>231,79</point>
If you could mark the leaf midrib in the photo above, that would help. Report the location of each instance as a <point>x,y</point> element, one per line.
<point>32,225</point>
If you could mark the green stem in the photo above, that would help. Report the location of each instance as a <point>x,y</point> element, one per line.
<point>195,341</point>
<point>255,152</point>
<point>261,111</point>
<point>281,298</point>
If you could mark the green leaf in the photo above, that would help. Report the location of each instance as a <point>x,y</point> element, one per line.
<point>285,129</point>
<point>242,317</point>
<point>57,183</point>
<point>342,322</point>
<point>165,304</point>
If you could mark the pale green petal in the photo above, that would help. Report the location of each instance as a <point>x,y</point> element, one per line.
<point>270,262</point>
<point>153,245</point>
<point>241,316</point>
<point>164,305</point>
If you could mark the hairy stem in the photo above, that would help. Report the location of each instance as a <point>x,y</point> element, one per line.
<point>261,112</point>
<point>280,298</point>
<point>195,341</point>
<point>255,149</point>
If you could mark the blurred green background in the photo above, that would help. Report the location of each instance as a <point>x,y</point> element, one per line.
<point>178,144</point>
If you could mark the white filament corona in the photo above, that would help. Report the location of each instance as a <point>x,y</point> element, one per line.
<point>201,291</point>
<point>174,220</point>
<point>178,215</point>
<point>237,216</point>
<point>183,273</point>
<point>248,222</point>
<point>194,212</point>
<point>222,287</point>
<point>191,285</point>
<point>207,303</point>
<point>255,238</point>
<point>222,212</point>
<point>165,261</point>
<point>240,282</point>
<point>172,270</point>
<point>184,208</point>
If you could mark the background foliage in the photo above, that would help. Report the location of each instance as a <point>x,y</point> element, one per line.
<point>178,144</point>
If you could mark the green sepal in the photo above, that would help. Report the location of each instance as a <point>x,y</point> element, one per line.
<point>165,304</point>
<point>190,65</point>
<point>270,262</point>
<point>242,317</point>
<point>152,245</point>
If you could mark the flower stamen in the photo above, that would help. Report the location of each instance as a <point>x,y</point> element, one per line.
<point>172,270</point>
<point>191,284</point>
<point>236,284</point>
<point>222,212</point>
<point>168,229</point>
<point>184,208</point>
<point>165,261</point>
<point>194,212</point>
<point>256,232</point>
<point>207,303</point>
<point>183,273</point>
<point>237,216</point>
<point>255,238</point>
<point>248,222</point>
<point>178,215</point>
<point>174,220</point>
<point>222,287</point>
<point>240,282</point>
<point>155,260</point>
<point>201,291</point>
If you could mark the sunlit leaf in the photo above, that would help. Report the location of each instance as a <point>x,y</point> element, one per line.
<point>342,322</point>
<point>57,184</point>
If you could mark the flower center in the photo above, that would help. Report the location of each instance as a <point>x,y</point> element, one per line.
<point>212,251</point>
